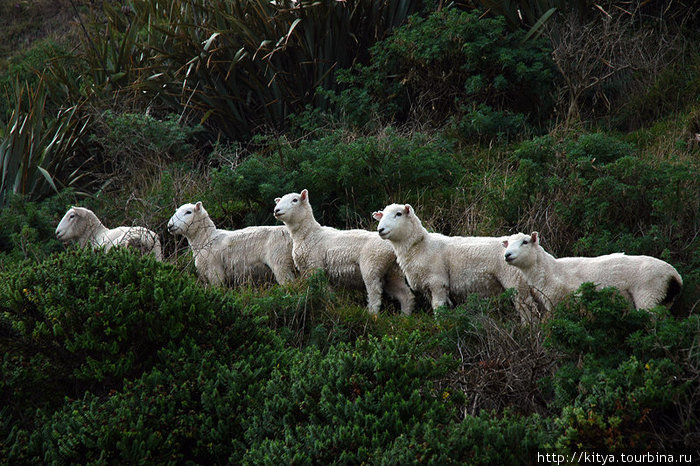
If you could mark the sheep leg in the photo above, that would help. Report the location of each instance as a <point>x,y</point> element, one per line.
<point>374,292</point>
<point>645,299</point>
<point>282,274</point>
<point>215,276</point>
<point>523,300</point>
<point>397,288</point>
<point>439,296</point>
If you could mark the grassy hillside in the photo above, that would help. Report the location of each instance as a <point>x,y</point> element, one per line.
<point>116,358</point>
<point>23,23</point>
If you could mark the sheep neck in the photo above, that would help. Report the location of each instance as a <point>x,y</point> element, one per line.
<point>94,230</point>
<point>541,273</point>
<point>302,229</point>
<point>409,246</point>
<point>199,235</point>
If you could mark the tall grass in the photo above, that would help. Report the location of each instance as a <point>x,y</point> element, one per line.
<point>238,66</point>
<point>38,149</point>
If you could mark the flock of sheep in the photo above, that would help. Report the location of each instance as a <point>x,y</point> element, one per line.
<point>400,259</point>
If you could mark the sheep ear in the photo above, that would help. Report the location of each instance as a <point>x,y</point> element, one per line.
<point>277,200</point>
<point>377,215</point>
<point>304,195</point>
<point>505,243</point>
<point>535,237</point>
<point>198,206</point>
<point>407,209</point>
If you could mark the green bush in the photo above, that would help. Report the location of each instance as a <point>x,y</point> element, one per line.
<point>81,320</point>
<point>131,146</point>
<point>602,196</point>
<point>621,373</point>
<point>127,134</point>
<point>188,409</point>
<point>347,181</point>
<point>26,67</point>
<point>488,438</point>
<point>452,63</point>
<point>28,227</point>
<point>347,405</point>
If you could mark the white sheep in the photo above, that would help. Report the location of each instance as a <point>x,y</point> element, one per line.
<point>645,281</point>
<point>350,258</point>
<point>82,225</point>
<point>449,268</point>
<point>260,253</point>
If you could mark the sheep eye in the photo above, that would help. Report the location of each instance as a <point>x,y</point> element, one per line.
<point>71,215</point>
<point>524,241</point>
<point>295,199</point>
<point>398,214</point>
<point>188,212</point>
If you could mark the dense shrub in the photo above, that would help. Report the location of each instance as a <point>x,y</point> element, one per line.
<point>189,408</point>
<point>347,180</point>
<point>595,194</point>
<point>28,227</point>
<point>82,320</point>
<point>130,147</point>
<point>26,67</point>
<point>346,405</point>
<point>452,63</point>
<point>622,372</point>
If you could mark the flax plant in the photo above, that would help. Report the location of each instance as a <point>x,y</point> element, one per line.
<point>38,149</point>
<point>236,65</point>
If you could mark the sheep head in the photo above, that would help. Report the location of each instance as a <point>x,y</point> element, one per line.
<point>292,208</point>
<point>521,249</point>
<point>186,218</point>
<point>73,224</point>
<point>393,221</point>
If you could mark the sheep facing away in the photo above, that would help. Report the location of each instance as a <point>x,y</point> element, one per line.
<point>645,281</point>
<point>82,225</point>
<point>449,268</point>
<point>351,258</point>
<point>252,254</point>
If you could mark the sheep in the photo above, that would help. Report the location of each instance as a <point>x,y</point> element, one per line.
<point>350,258</point>
<point>644,281</point>
<point>82,225</point>
<point>449,268</point>
<point>257,254</point>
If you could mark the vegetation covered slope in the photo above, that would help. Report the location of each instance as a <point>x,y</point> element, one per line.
<point>114,358</point>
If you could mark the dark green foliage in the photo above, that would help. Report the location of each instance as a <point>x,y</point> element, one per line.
<point>28,228</point>
<point>190,408</point>
<point>26,68</point>
<point>127,134</point>
<point>674,90</point>
<point>621,371</point>
<point>347,181</point>
<point>452,63</point>
<point>83,319</point>
<point>488,438</point>
<point>599,187</point>
<point>347,405</point>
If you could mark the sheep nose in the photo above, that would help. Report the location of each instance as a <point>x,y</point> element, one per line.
<point>508,257</point>
<point>277,211</point>
<point>380,230</point>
